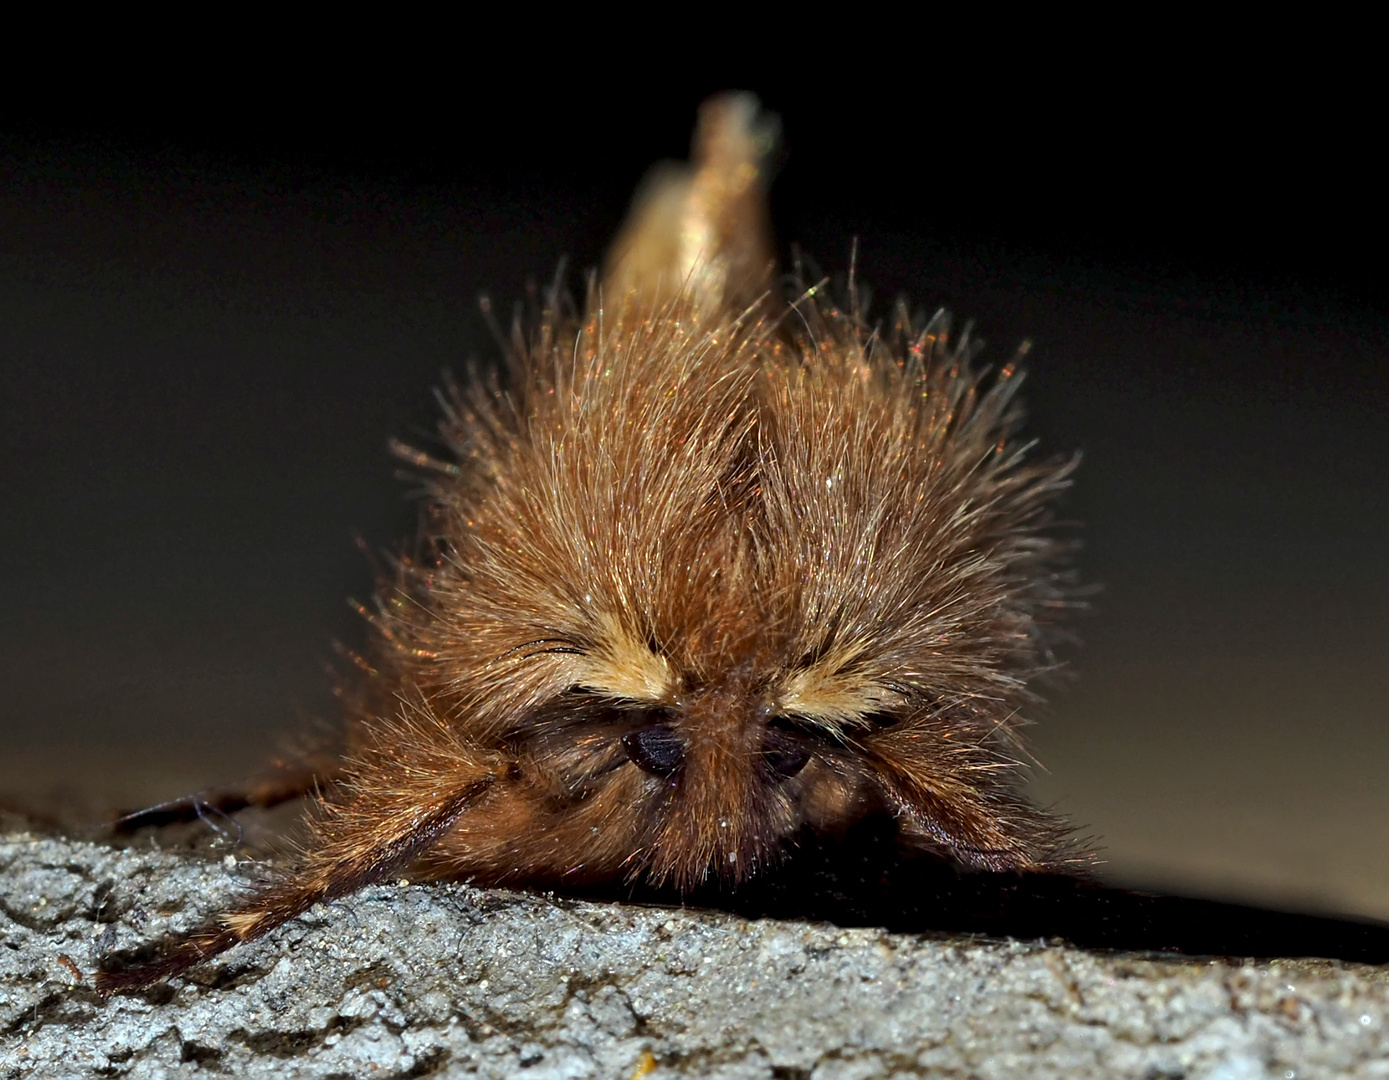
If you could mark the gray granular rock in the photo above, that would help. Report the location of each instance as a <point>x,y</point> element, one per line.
<point>408,980</point>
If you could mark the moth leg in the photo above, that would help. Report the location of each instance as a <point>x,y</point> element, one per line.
<point>966,813</point>
<point>284,784</point>
<point>397,797</point>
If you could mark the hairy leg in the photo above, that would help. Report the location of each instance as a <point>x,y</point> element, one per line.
<point>286,782</point>
<point>401,793</point>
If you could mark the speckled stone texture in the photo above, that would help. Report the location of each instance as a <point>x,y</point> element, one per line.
<point>410,980</point>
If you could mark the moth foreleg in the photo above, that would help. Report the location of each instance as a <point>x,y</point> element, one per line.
<point>397,798</point>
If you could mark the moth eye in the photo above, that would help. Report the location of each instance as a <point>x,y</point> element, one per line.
<point>656,749</point>
<point>784,753</point>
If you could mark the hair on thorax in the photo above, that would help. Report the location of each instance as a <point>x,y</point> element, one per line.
<point>711,570</point>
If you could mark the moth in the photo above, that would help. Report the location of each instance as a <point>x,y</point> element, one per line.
<point>710,569</point>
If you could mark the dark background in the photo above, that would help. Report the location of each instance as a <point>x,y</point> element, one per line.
<point>213,314</point>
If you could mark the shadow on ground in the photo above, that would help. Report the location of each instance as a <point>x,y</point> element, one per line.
<point>865,880</point>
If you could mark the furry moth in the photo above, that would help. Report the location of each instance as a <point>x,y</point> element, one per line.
<point>714,569</point>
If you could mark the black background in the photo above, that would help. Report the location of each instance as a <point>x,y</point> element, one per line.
<point>214,311</point>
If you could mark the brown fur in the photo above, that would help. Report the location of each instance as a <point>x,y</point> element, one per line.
<point>712,572</point>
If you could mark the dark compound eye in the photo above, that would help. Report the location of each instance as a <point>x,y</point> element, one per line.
<point>784,753</point>
<point>656,749</point>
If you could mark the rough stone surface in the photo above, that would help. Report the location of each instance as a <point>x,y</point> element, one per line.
<point>409,980</point>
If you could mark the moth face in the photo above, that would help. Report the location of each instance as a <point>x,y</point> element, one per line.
<point>708,769</point>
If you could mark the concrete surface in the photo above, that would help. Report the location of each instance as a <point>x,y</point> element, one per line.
<point>410,980</point>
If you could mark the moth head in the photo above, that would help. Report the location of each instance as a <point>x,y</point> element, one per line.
<point>703,754</point>
<point>722,591</point>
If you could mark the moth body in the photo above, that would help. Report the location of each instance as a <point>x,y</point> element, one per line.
<point>713,570</point>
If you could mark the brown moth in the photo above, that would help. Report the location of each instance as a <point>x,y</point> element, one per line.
<point>715,569</point>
